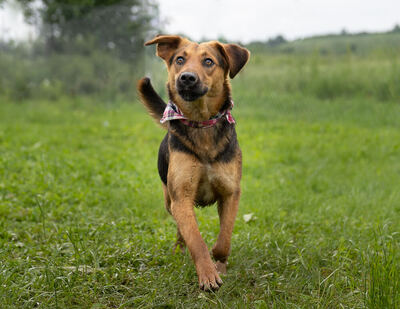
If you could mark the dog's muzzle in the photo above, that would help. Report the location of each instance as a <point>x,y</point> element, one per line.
<point>190,87</point>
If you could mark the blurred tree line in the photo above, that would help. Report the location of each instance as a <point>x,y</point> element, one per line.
<point>71,25</point>
<point>89,47</point>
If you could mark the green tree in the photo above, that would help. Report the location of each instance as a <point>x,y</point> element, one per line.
<point>278,40</point>
<point>121,26</point>
<point>396,29</point>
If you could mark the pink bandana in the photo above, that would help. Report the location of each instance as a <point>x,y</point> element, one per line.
<point>172,112</point>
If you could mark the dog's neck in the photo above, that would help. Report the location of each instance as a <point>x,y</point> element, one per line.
<point>198,110</point>
<point>172,112</point>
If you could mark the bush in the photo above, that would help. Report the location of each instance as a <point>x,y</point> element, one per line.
<point>98,74</point>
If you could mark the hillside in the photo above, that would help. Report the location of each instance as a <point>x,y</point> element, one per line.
<point>360,43</point>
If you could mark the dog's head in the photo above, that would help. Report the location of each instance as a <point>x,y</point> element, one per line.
<point>198,73</point>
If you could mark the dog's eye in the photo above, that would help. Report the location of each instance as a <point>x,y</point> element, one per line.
<point>180,60</point>
<point>208,62</point>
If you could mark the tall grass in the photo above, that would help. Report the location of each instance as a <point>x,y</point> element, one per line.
<point>329,77</point>
<point>383,273</point>
<point>372,70</point>
<point>98,75</point>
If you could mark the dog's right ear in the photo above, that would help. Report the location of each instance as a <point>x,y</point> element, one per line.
<point>166,45</point>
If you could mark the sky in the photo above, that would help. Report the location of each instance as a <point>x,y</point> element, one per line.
<point>12,24</point>
<point>247,20</point>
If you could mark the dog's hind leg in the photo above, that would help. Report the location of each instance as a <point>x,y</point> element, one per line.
<point>167,199</point>
<point>180,242</point>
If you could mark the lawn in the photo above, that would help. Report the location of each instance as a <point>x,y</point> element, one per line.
<point>82,221</point>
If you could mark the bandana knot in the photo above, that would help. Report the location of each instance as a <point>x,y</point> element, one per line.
<point>172,112</point>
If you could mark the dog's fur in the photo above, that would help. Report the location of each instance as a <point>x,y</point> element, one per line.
<point>199,166</point>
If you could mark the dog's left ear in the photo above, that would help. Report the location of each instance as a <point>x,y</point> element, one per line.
<point>167,44</point>
<point>235,56</point>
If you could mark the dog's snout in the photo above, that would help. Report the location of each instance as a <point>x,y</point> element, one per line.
<point>188,78</point>
<point>190,86</point>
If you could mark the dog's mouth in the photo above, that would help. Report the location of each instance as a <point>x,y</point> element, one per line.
<point>190,94</point>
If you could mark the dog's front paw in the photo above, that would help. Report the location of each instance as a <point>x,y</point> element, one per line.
<point>208,276</point>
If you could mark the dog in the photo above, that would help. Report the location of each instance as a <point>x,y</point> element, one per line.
<point>199,159</point>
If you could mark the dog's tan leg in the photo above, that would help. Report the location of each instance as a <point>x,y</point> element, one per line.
<point>183,179</point>
<point>228,204</point>
<point>184,215</point>
<point>227,210</point>
<point>180,242</point>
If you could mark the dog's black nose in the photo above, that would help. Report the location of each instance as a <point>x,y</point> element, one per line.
<point>188,78</point>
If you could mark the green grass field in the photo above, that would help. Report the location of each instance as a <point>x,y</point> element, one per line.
<point>82,221</point>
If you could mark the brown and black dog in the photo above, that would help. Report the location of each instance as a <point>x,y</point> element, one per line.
<point>199,164</point>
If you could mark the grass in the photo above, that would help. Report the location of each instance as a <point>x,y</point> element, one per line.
<point>82,222</point>
<point>374,76</point>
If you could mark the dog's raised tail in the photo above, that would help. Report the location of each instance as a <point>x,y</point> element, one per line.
<point>154,104</point>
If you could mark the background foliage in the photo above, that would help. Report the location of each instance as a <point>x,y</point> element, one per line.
<point>325,67</point>
<point>101,24</point>
<point>90,48</point>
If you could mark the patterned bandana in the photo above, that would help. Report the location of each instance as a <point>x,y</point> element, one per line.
<point>172,112</point>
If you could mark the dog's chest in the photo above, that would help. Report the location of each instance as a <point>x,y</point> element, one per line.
<point>206,147</point>
<point>214,182</point>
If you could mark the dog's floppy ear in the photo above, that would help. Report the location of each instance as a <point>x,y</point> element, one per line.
<point>235,55</point>
<point>166,45</point>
